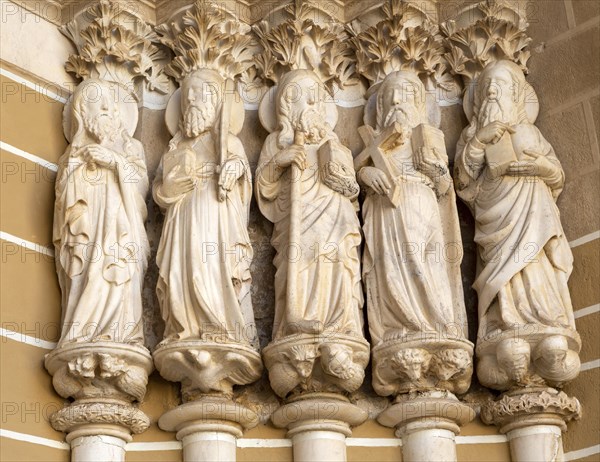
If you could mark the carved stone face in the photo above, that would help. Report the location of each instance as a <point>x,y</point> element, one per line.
<point>400,103</point>
<point>304,368</point>
<point>553,354</point>
<point>302,103</point>
<point>514,357</point>
<point>412,362</point>
<point>498,95</point>
<point>450,362</point>
<point>199,100</point>
<point>101,115</point>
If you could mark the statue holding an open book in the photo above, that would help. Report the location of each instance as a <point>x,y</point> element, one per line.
<point>411,261</point>
<point>510,177</point>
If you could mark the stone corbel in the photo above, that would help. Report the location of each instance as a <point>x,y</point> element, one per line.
<point>101,362</point>
<point>530,356</point>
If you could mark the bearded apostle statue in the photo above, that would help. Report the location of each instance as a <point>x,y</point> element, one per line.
<point>510,177</point>
<point>102,251</point>
<point>411,260</point>
<point>101,244</point>
<point>204,186</point>
<point>306,186</point>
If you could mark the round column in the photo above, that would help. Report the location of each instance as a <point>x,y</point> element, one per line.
<point>318,425</point>
<point>429,444</point>
<point>427,425</point>
<point>538,442</point>
<point>533,420</point>
<point>313,445</point>
<point>208,428</point>
<point>97,448</point>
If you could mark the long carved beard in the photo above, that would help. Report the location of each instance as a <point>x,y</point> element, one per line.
<point>407,117</point>
<point>197,120</point>
<point>102,127</point>
<point>313,125</point>
<point>493,110</point>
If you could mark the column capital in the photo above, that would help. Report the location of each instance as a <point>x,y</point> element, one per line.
<point>526,407</point>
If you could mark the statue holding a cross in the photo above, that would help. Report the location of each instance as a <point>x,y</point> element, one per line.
<point>411,261</point>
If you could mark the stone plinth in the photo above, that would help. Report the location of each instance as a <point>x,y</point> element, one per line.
<point>427,423</point>
<point>318,424</point>
<point>208,428</point>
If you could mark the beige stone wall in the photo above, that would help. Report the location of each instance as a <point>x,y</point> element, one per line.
<point>564,69</point>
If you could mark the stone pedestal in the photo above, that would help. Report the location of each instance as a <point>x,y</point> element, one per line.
<point>208,428</point>
<point>427,423</point>
<point>318,424</point>
<point>105,379</point>
<point>533,420</point>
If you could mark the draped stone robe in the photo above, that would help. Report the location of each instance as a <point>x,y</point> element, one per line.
<point>411,260</point>
<point>329,290</point>
<point>101,244</point>
<point>205,252</point>
<point>525,259</point>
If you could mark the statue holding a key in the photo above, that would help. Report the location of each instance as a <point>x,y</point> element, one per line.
<point>411,261</point>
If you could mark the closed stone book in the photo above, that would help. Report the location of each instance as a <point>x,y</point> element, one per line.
<point>427,136</point>
<point>500,155</point>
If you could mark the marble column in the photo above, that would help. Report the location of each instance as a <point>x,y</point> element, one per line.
<point>533,421</point>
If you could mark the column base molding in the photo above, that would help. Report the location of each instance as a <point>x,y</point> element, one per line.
<point>318,425</point>
<point>208,428</point>
<point>427,423</point>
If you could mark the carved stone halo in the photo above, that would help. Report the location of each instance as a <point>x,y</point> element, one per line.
<point>173,113</point>
<point>267,110</point>
<point>91,90</point>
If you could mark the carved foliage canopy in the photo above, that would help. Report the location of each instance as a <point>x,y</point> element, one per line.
<point>495,36</point>
<point>405,40</point>
<point>208,37</point>
<point>115,45</point>
<point>307,39</point>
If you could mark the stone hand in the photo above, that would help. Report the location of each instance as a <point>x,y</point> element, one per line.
<point>175,184</point>
<point>375,179</point>
<point>426,160</point>
<point>231,171</point>
<point>292,155</point>
<point>545,167</point>
<point>99,155</point>
<point>493,132</point>
<point>523,168</point>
